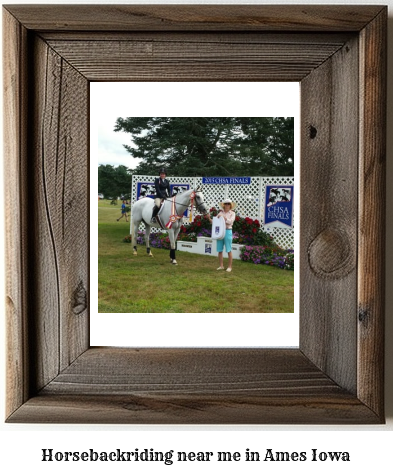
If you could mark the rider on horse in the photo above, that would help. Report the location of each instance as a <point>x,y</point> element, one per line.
<point>163,191</point>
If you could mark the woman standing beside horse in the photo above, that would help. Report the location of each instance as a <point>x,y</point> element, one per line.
<point>229,216</point>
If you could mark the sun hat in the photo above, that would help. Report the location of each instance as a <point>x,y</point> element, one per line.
<point>227,201</point>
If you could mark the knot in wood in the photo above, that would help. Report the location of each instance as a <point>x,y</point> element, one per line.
<point>331,255</point>
<point>313,132</point>
<point>80,299</point>
<point>364,316</point>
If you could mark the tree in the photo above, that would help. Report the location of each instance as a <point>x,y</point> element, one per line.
<point>211,146</point>
<point>268,145</point>
<point>114,181</point>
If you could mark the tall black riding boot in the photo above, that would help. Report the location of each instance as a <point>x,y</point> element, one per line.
<point>155,212</point>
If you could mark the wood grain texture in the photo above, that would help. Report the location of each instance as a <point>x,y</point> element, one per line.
<point>335,376</point>
<point>193,386</point>
<point>185,59</point>
<point>59,218</point>
<point>239,409</point>
<point>371,232</point>
<point>329,173</point>
<point>195,17</point>
<point>201,37</point>
<point>14,148</point>
<point>208,371</point>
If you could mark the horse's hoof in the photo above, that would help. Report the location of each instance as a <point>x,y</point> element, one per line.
<point>150,255</point>
<point>135,253</point>
<point>174,262</point>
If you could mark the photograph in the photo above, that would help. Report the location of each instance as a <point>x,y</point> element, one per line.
<point>195,176</point>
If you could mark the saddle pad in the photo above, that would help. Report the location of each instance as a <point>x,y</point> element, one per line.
<point>218,228</point>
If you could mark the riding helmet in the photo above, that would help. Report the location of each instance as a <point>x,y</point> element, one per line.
<point>162,170</point>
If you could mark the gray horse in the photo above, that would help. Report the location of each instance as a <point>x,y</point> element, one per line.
<point>171,216</point>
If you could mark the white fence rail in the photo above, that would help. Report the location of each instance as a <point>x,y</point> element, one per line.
<point>250,198</point>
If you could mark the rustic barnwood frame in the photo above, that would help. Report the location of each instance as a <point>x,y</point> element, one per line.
<point>338,54</point>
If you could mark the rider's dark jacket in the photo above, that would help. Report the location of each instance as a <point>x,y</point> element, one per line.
<point>163,189</point>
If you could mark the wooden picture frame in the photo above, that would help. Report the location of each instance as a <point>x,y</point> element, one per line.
<point>338,54</point>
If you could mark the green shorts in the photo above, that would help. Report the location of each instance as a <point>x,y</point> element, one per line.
<point>227,240</point>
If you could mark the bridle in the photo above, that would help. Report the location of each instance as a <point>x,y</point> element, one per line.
<point>197,206</point>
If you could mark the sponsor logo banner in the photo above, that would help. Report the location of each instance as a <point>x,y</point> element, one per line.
<point>279,206</point>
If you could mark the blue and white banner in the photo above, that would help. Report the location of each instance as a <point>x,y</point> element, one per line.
<point>279,206</point>
<point>145,189</point>
<point>233,180</point>
<point>179,188</point>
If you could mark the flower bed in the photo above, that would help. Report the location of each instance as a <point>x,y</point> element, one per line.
<point>273,256</point>
<point>246,231</point>
<point>157,239</point>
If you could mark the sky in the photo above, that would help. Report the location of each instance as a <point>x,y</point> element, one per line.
<point>108,101</point>
<point>110,143</point>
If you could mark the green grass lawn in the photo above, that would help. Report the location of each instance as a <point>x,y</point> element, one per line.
<point>143,284</point>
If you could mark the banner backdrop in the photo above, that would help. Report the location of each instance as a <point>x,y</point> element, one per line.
<point>227,180</point>
<point>248,192</point>
<point>279,206</point>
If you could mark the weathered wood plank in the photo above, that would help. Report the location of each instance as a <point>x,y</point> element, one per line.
<point>121,371</point>
<point>196,17</point>
<point>60,214</point>
<point>16,225</point>
<point>201,37</point>
<point>371,231</point>
<point>329,170</point>
<point>44,285</point>
<point>66,175</point>
<point>324,409</point>
<point>193,386</point>
<point>119,51</point>
<point>175,60</point>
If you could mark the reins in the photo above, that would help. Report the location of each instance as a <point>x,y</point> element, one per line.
<point>185,205</point>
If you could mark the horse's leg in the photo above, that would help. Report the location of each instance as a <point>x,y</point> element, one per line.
<point>147,237</point>
<point>134,233</point>
<point>173,234</point>
<point>177,230</point>
<point>172,252</point>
